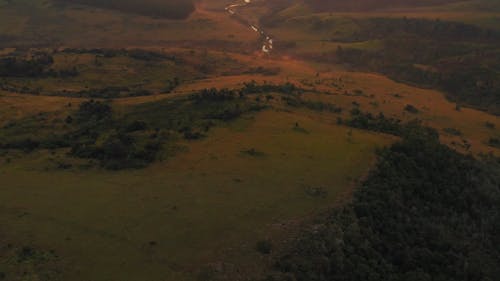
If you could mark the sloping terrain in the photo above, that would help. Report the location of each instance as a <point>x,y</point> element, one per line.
<point>232,171</point>
<point>370,5</point>
<point>135,146</point>
<point>172,9</point>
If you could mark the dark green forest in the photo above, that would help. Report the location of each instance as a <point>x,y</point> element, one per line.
<point>425,213</point>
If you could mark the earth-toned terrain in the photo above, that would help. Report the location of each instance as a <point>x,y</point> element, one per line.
<point>176,140</point>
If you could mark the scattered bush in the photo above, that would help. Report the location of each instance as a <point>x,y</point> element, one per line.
<point>412,109</point>
<point>264,247</point>
<point>317,192</point>
<point>136,125</point>
<point>264,70</point>
<point>452,131</point>
<point>171,85</point>
<point>253,152</point>
<point>189,134</point>
<point>93,111</point>
<point>494,142</point>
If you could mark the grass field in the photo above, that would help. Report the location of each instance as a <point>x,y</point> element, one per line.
<point>48,24</point>
<point>198,213</point>
<point>316,33</point>
<point>209,205</point>
<point>374,93</point>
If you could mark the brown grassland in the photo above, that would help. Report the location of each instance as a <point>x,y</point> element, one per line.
<point>198,214</point>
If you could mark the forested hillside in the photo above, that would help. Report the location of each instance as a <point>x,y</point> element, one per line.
<point>425,213</point>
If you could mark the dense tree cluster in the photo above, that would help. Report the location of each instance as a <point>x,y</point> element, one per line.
<point>425,213</point>
<point>215,95</point>
<point>494,142</point>
<point>37,65</point>
<point>378,123</point>
<point>253,87</point>
<point>312,105</point>
<point>138,54</point>
<point>115,144</point>
<point>119,151</point>
<point>381,28</point>
<point>109,92</point>
<point>387,125</point>
<point>132,140</point>
<point>22,67</point>
<point>93,111</point>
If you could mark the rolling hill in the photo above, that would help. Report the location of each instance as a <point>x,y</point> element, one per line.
<point>173,9</point>
<point>371,5</point>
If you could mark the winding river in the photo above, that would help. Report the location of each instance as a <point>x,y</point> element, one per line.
<point>232,9</point>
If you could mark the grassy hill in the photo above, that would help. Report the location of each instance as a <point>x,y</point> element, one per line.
<point>140,143</point>
<point>172,9</point>
<point>231,171</point>
<point>371,5</point>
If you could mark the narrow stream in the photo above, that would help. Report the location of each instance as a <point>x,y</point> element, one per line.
<point>267,41</point>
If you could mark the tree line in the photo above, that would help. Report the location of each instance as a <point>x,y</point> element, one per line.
<point>458,58</point>
<point>424,213</point>
<point>36,66</point>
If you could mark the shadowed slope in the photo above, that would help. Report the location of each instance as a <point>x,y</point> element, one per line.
<point>370,5</point>
<point>173,9</point>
